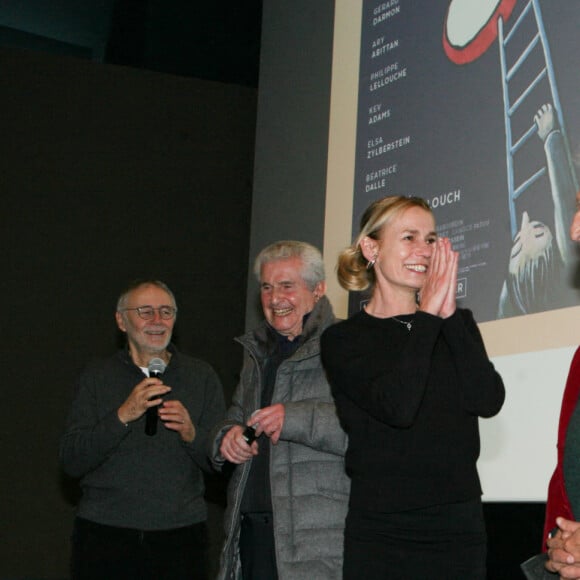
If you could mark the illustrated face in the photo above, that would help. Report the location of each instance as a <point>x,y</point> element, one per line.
<point>575,227</point>
<point>146,338</point>
<point>404,249</point>
<point>530,243</point>
<point>285,297</point>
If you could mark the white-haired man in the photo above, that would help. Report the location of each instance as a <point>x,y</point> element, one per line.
<point>288,494</point>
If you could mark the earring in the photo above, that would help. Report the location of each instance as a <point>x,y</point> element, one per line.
<point>371,262</point>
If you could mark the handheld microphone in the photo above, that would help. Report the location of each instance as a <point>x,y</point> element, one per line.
<point>249,435</point>
<point>156,368</point>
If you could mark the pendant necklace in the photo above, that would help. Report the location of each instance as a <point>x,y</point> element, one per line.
<point>408,324</point>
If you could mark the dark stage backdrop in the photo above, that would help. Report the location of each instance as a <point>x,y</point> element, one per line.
<point>107,174</point>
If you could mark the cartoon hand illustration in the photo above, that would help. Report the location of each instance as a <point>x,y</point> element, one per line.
<point>545,120</point>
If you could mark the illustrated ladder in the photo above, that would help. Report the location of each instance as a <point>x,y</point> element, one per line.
<point>512,103</point>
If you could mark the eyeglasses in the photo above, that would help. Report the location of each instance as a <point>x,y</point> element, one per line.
<point>148,312</point>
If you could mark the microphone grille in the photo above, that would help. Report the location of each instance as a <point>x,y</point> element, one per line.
<point>156,366</point>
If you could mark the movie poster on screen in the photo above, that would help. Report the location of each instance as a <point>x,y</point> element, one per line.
<point>476,108</point>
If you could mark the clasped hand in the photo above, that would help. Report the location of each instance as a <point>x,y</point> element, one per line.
<point>437,296</point>
<point>564,550</point>
<point>269,420</point>
<point>148,393</point>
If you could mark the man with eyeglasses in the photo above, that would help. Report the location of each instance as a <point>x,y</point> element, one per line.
<point>142,512</point>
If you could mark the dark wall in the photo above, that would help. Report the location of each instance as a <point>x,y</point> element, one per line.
<point>292,128</point>
<point>514,534</point>
<point>106,174</point>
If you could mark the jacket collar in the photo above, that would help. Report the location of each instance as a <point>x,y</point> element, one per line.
<point>320,318</point>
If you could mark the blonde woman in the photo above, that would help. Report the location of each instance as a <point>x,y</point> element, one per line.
<point>410,377</point>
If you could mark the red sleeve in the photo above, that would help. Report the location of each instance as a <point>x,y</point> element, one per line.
<point>558,503</point>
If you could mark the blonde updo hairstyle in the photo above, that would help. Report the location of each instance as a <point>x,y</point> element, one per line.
<point>353,271</point>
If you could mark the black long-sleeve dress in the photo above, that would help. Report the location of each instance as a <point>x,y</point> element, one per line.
<point>410,402</point>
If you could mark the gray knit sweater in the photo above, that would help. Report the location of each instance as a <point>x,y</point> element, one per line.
<point>129,479</point>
